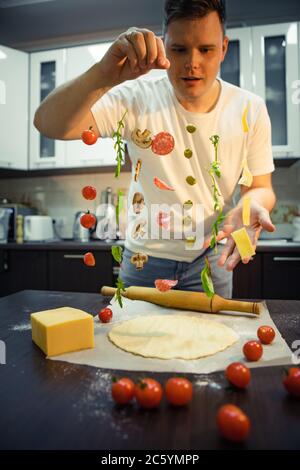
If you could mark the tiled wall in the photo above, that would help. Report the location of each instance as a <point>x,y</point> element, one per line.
<point>60,196</point>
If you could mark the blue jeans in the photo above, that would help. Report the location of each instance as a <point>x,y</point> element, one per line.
<point>187,274</point>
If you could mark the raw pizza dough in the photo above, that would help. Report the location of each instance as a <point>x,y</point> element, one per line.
<point>172,336</point>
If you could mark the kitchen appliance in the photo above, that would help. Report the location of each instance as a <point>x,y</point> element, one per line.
<point>38,228</point>
<point>16,209</point>
<point>80,233</point>
<point>5,214</point>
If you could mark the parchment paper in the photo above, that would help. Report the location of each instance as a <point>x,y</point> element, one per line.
<point>108,356</point>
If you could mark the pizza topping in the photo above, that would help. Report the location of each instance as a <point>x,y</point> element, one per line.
<point>161,184</point>
<point>142,139</point>
<point>163,285</point>
<point>188,153</point>
<point>191,129</point>
<point>163,143</point>
<point>139,259</point>
<point>191,180</point>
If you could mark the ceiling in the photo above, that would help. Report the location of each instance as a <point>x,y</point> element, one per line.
<point>43,24</point>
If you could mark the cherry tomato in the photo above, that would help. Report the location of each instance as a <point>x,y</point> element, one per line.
<point>292,382</point>
<point>122,390</point>
<point>89,137</point>
<point>233,423</point>
<point>89,259</point>
<point>88,220</point>
<point>238,374</point>
<point>148,393</point>
<point>105,315</point>
<point>89,192</point>
<point>253,350</point>
<point>179,391</point>
<point>266,334</point>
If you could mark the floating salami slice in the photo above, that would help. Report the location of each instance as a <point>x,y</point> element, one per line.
<point>163,285</point>
<point>161,184</point>
<point>163,143</point>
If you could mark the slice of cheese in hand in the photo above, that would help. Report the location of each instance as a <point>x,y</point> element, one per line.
<point>62,330</point>
<point>243,243</point>
<point>246,210</point>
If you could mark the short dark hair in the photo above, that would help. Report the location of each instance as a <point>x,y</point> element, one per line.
<point>190,9</point>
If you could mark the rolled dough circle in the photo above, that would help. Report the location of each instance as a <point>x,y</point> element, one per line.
<point>172,336</point>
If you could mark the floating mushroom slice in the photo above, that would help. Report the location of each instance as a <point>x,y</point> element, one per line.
<point>139,230</point>
<point>191,128</point>
<point>142,139</point>
<point>246,178</point>
<point>191,180</point>
<point>139,259</point>
<point>137,170</point>
<point>246,210</point>
<point>188,153</point>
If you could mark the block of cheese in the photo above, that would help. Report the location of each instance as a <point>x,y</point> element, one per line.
<point>243,243</point>
<point>62,330</point>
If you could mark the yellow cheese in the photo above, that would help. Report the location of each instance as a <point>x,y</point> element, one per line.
<point>245,119</point>
<point>62,330</point>
<point>243,243</point>
<point>246,178</point>
<point>246,210</point>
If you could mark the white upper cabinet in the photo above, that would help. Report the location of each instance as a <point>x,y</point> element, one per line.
<point>237,65</point>
<point>13,108</point>
<point>276,70</point>
<point>79,60</point>
<point>47,71</point>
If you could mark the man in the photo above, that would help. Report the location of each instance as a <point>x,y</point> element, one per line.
<point>192,50</point>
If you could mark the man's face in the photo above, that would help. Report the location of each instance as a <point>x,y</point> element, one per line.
<point>195,48</point>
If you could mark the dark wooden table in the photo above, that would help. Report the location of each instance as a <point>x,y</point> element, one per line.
<point>55,405</point>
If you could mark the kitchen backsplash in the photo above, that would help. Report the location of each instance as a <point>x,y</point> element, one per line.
<point>60,196</point>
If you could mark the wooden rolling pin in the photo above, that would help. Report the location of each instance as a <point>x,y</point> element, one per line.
<point>186,300</point>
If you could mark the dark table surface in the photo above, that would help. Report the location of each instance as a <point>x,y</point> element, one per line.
<point>48,404</point>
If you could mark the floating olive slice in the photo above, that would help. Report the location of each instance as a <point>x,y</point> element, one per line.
<point>188,204</point>
<point>191,129</point>
<point>191,180</point>
<point>188,153</point>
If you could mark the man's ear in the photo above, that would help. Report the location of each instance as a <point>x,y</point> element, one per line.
<point>225,47</point>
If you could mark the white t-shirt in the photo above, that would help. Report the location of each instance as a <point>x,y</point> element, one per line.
<point>152,105</point>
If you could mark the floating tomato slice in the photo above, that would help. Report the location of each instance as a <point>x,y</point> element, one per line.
<point>163,285</point>
<point>88,220</point>
<point>163,143</point>
<point>89,192</point>
<point>89,259</point>
<point>89,137</point>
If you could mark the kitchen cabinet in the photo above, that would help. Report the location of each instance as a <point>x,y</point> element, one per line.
<point>78,61</point>
<point>47,71</point>
<point>265,60</point>
<point>14,70</point>
<point>237,66</point>
<point>67,271</point>
<point>281,274</point>
<point>247,279</point>
<point>21,270</point>
<point>275,69</point>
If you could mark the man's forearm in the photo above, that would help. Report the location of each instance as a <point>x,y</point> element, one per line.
<point>264,196</point>
<point>65,107</point>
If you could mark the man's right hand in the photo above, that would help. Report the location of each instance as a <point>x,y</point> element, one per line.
<point>133,54</point>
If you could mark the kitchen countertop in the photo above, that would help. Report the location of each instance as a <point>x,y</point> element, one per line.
<point>264,246</point>
<point>56,405</point>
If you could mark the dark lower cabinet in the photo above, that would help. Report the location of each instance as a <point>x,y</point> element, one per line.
<point>21,270</point>
<point>67,271</point>
<point>281,276</point>
<point>247,279</point>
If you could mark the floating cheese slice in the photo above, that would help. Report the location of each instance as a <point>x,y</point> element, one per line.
<point>246,210</point>
<point>62,330</point>
<point>245,119</point>
<point>246,178</point>
<point>243,243</point>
